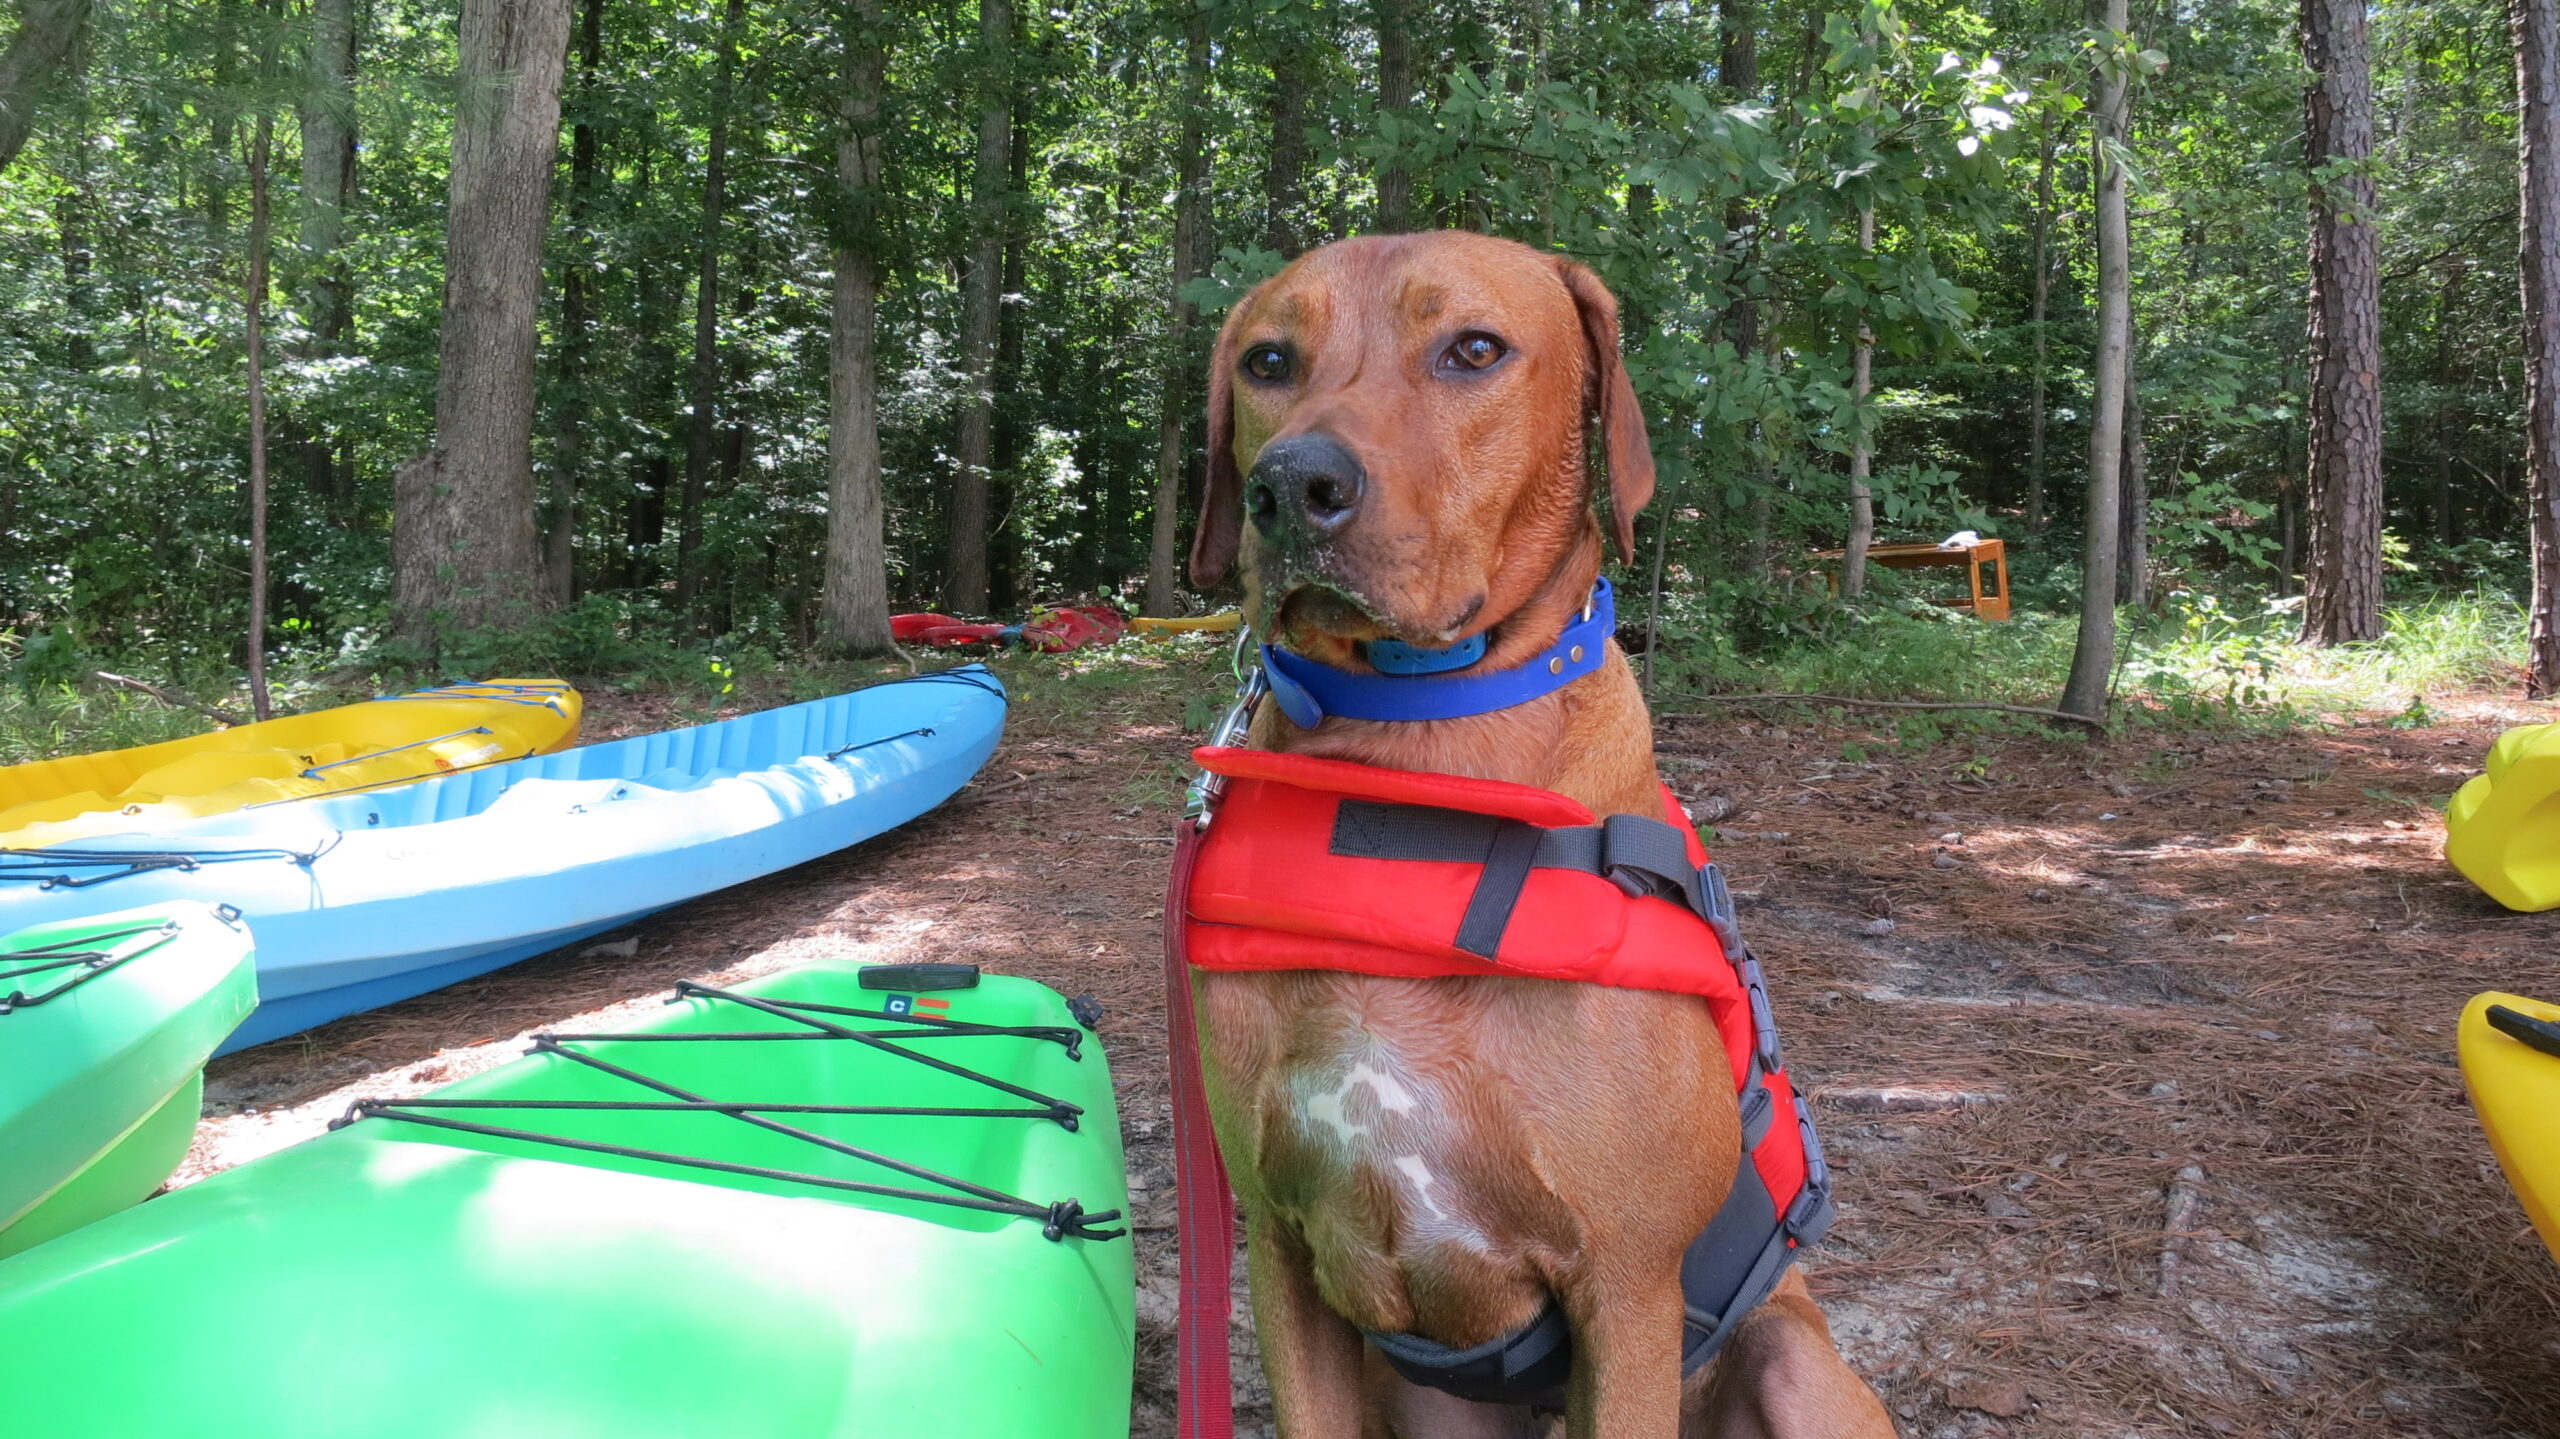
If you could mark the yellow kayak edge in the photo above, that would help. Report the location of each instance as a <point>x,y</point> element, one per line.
<point>397,739</point>
<point>2515,1089</point>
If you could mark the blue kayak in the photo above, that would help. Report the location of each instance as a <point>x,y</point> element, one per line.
<point>358,900</point>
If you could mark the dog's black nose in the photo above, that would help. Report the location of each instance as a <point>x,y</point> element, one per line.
<point>1305,479</point>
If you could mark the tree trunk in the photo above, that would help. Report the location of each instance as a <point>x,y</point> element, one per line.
<point>1394,22</point>
<point>75,215</point>
<point>2041,287</point>
<point>1004,547</point>
<point>463,546</point>
<point>255,309</point>
<point>1862,505</point>
<point>967,579</point>
<point>854,611</point>
<point>2342,597</point>
<point>1293,79</point>
<point>1173,425</point>
<point>2133,515</point>
<point>2537,36</point>
<point>2093,656</point>
<point>568,449</point>
<point>48,30</point>
<point>703,429</point>
<point>328,170</point>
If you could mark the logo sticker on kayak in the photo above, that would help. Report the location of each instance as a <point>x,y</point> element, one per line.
<point>903,1006</point>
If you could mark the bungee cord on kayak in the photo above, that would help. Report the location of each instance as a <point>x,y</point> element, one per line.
<point>57,868</point>
<point>1060,1219</point>
<point>85,958</point>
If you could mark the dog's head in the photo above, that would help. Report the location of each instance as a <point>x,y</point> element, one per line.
<point>1404,421</point>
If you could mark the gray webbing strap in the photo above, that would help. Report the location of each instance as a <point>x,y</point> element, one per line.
<point>1641,856</point>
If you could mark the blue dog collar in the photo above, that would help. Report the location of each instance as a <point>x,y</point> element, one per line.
<point>1416,684</point>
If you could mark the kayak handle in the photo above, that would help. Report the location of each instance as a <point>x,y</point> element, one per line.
<point>2526,1030</point>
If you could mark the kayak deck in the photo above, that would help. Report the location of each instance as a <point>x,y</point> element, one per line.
<point>351,747</point>
<point>407,1280</point>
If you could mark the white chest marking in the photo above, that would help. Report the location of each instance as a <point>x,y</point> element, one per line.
<point>1333,1110</point>
<point>1419,1174</point>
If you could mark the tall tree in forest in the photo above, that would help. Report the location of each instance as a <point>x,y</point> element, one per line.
<point>48,34</point>
<point>328,170</point>
<point>569,443</point>
<point>854,606</point>
<point>2342,591</point>
<point>464,554</point>
<point>2537,39</point>
<point>1173,422</point>
<point>701,430</point>
<point>1862,504</point>
<point>1393,20</point>
<point>1284,190</point>
<point>983,287</point>
<point>2093,655</point>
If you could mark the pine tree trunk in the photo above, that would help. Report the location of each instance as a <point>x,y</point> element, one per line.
<point>1173,425</point>
<point>1862,505</point>
<point>1394,22</point>
<point>2342,597</point>
<point>464,553</point>
<point>2537,36</point>
<point>854,611</point>
<point>2093,656</point>
<point>48,32</point>
<point>1004,549</point>
<point>703,430</point>
<point>967,579</point>
<point>2041,287</point>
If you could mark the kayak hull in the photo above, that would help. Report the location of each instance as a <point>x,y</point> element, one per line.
<point>2502,828</point>
<point>361,900</point>
<point>102,1081</point>
<point>2515,1090</point>
<point>497,1287</point>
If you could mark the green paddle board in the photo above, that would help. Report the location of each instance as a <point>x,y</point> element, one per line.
<point>105,1025</point>
<point>763,1251</point>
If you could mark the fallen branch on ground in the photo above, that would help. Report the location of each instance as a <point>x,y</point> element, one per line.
<point>2064,715</point>
<point>215,713</point>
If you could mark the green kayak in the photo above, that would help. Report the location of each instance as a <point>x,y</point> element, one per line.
<point>796,1209</point>
<point>105,1025</point>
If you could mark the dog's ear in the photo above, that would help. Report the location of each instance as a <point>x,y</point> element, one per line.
<point>1221,527</point>
<point>1613,401</point>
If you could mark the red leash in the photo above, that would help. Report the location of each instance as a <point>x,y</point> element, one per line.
<point>1204,1208</point>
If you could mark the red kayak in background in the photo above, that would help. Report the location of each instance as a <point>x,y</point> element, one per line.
<point>1054,631</point>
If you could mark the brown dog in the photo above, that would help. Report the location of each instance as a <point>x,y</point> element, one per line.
<point>1406,421</point>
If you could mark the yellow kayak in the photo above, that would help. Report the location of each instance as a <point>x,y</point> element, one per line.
<point>359,746</point>
<point>1220,623</point>
<point>2503,828</point>
<point>2511,1060</point>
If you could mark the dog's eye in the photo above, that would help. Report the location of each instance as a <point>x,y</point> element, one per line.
<point>1473,352</point>
<point>1267,363</point>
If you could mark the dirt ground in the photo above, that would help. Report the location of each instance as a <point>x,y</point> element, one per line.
<point>2135,1058</point>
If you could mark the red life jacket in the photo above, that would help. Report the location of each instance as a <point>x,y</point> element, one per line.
<point>1313,863</point>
